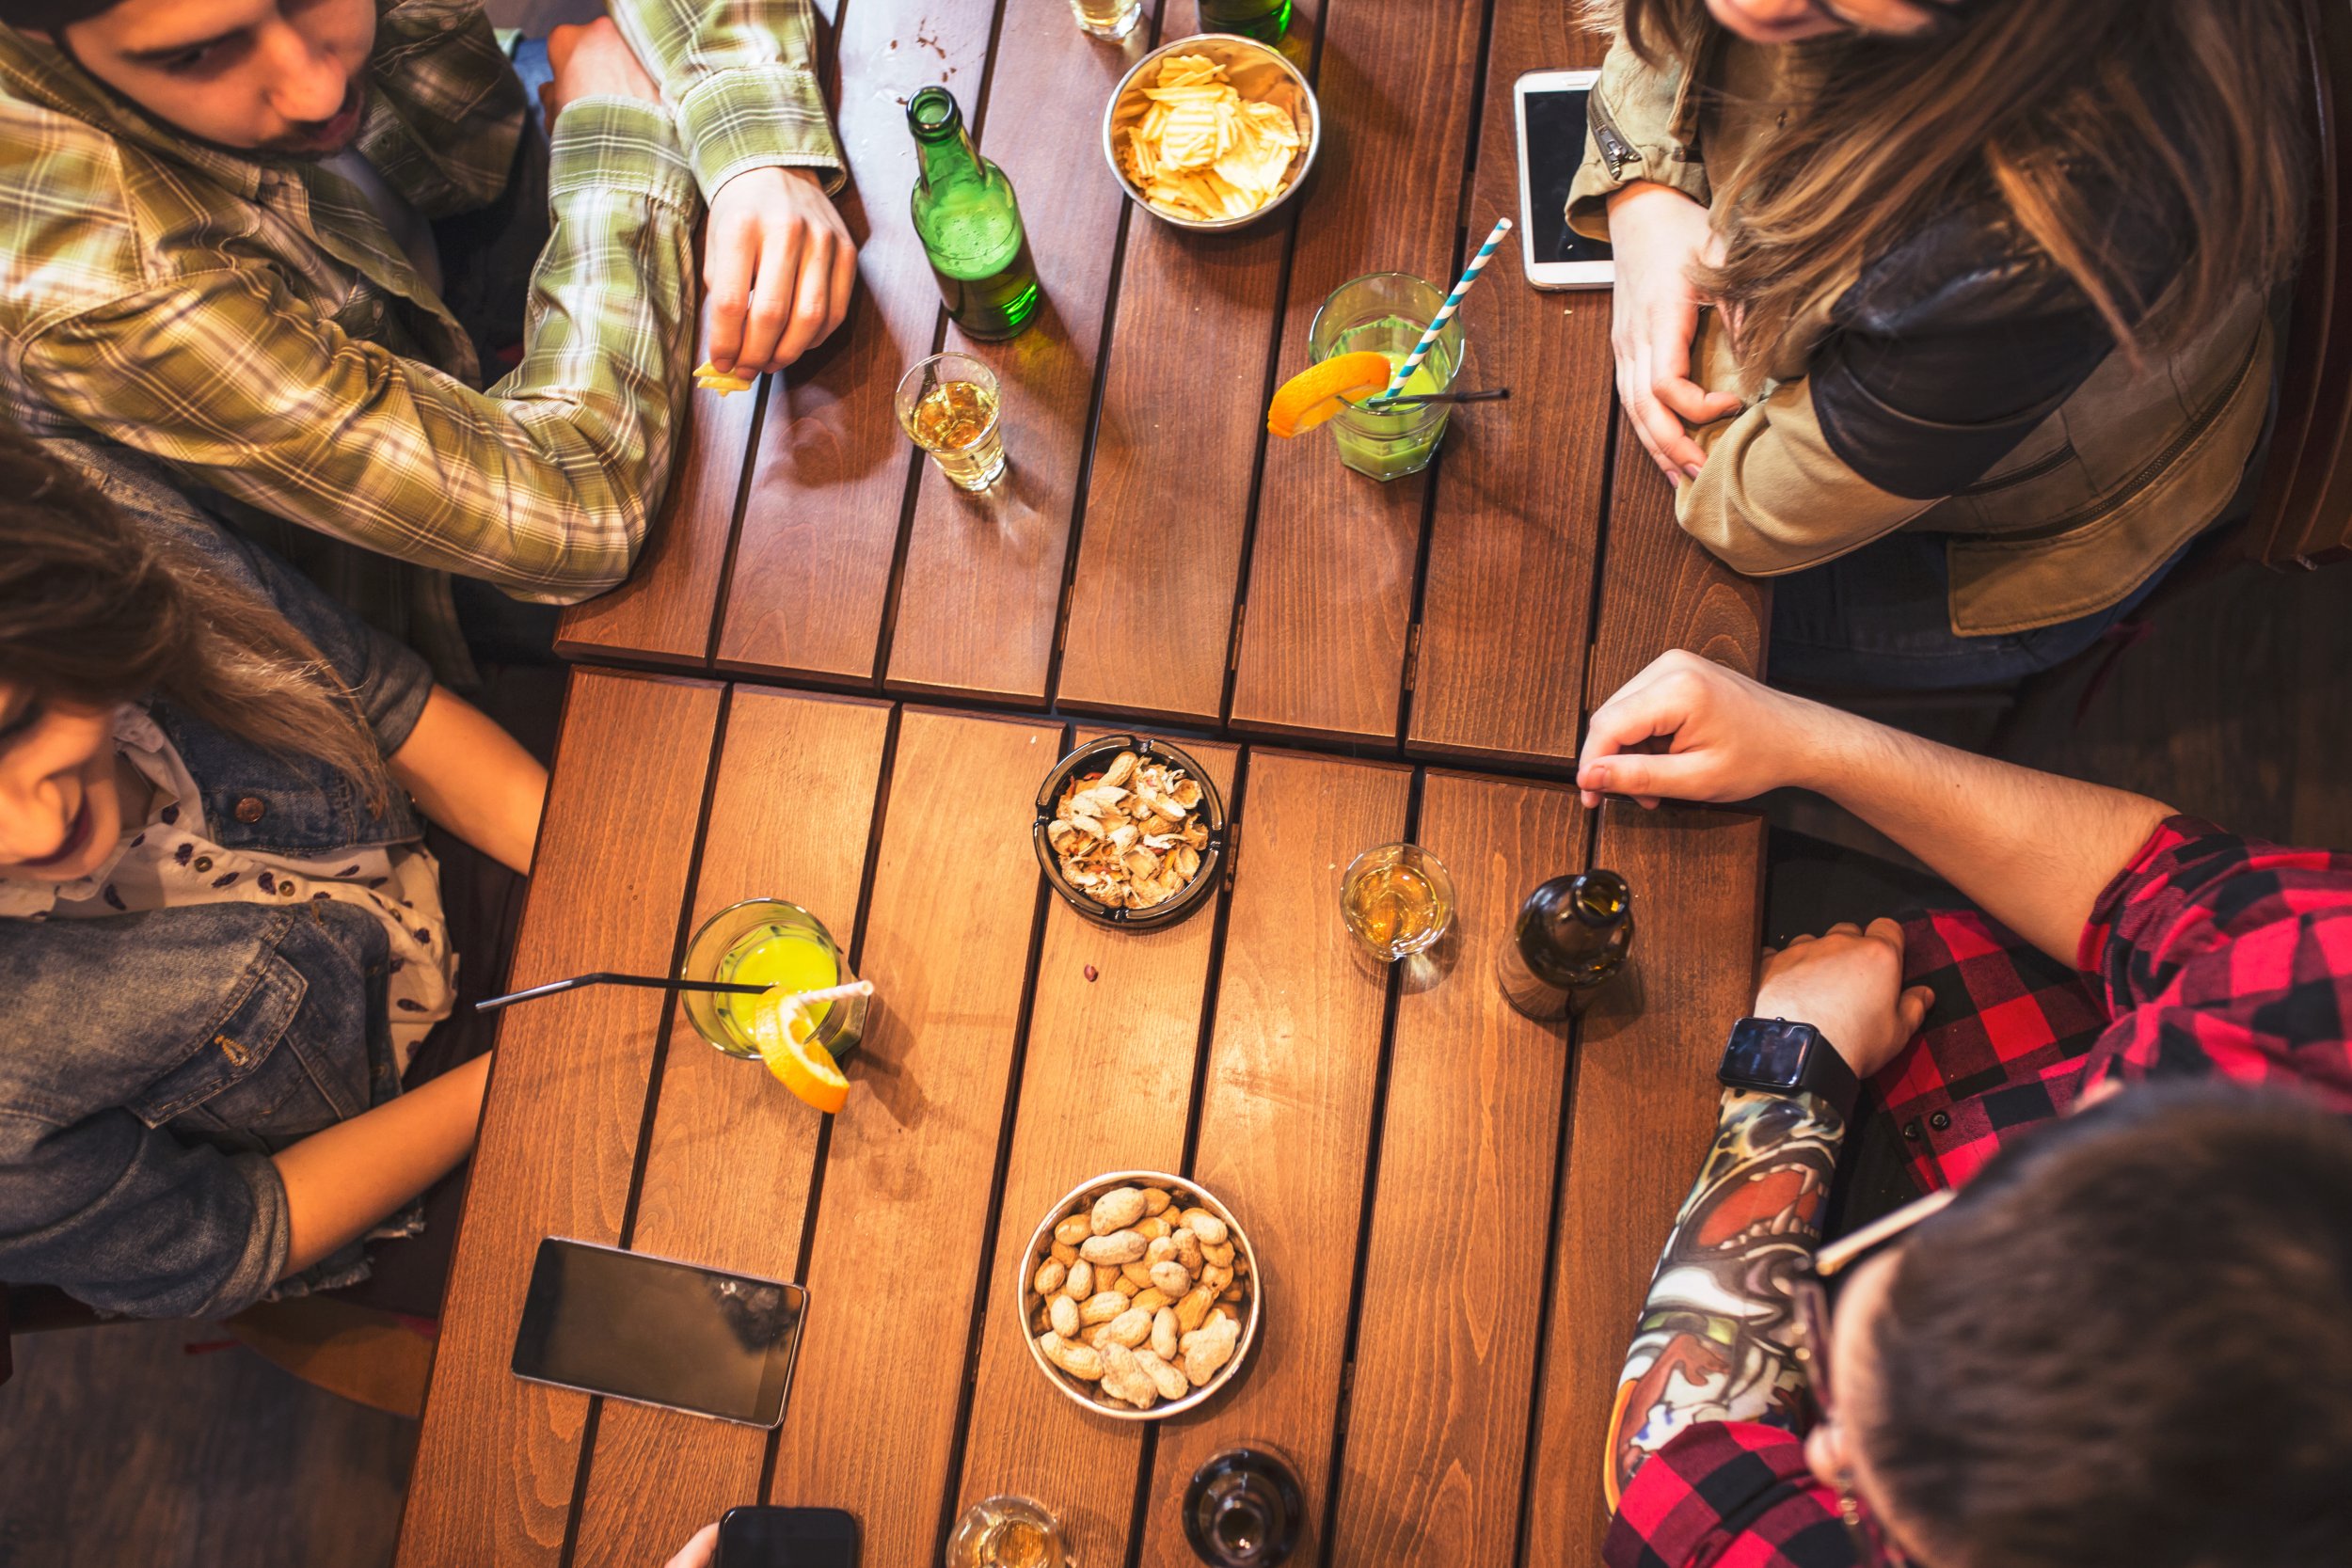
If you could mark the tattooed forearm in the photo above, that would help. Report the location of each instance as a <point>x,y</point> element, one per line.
<point>1716,1341</point>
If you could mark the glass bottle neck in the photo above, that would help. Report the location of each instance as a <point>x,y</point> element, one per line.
<point>944,160</point>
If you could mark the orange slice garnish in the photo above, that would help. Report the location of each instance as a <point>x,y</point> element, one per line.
<point>1319,392</point>
<point>781,1029</point>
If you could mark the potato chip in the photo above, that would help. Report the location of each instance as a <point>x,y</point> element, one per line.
<point>1204,153</point>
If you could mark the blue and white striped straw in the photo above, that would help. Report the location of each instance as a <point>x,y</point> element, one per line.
<point>1445,312</point>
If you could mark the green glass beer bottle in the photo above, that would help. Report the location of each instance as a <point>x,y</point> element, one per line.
<point>1571,936</point>
<point>969,223</point>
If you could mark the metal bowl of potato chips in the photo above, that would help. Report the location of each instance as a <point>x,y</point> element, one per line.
<point>1212,132</point>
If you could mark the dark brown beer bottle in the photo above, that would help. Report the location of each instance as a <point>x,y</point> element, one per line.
<point>1243,1510</point>
<point>1571,936</point>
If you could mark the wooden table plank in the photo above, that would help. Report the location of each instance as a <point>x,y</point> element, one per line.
<point>1643,1111</point>
<point>662,613</point>
<point>1445,1363</point>
<point>1331,571</point>
<point>819,540</point>
<point>1175,449</point>
<point>1516,524</point>
<point>729,1161</point>
<point>979,597</point>
<point>1661,589</point>
<point>1286,1118</point>
<point>901,1222</point>
<point>1106,1085</point>
<point>498,1457</point>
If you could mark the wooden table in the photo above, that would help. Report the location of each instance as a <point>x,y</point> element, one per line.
<point>841,682</point>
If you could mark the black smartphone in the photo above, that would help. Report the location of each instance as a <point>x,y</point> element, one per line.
<point>660,1332</point>
<point>787,1538</point>
<point>1551,126</point>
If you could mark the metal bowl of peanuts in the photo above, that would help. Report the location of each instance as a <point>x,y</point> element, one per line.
<point>1212,132</point>
<point>1139,1295</point>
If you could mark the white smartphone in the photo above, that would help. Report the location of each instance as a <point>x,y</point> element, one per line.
<point>1551,115</point>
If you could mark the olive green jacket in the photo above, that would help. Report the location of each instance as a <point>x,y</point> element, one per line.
<point>2052,508</point>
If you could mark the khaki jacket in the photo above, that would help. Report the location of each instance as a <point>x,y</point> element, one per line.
<point>2100,488</point>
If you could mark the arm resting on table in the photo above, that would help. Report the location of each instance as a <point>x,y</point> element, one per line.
<point>1717,1336</point>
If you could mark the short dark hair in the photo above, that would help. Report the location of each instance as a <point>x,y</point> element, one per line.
<point>2129,1344</point>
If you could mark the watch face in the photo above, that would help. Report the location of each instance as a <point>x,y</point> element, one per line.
<point>1769,1054</point>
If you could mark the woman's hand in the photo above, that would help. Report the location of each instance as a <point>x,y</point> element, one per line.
<point>1658,234</point>
<point>1848,983</point>
<point>1726,737</point>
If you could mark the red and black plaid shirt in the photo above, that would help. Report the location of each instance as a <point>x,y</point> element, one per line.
<point>2209,956</point>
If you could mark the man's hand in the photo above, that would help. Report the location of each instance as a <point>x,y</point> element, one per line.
<point>1658,234</point>
<point>778,265</point>
<point>700,1552</point>
<point>589,60</point>
<point>1729,737</point>
<point>1848,983</point>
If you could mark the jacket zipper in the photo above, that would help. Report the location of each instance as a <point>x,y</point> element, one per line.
<point>1614,150</point>
<point>2152,470</point>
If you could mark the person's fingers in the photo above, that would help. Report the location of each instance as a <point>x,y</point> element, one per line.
<point>1649,777</point>
<point>811,301</point>
<point>1799,940</point>
<point>1692,402</point>
<point>1886,930</point>
<point>772,295</point>
<point>730,262</point>
<point>700,1551</point>
<point>844,283</point>
<point>1844,928</point>
<point>1911,1011</point>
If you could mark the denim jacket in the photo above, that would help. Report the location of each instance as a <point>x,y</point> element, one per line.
<point>158,1059</point>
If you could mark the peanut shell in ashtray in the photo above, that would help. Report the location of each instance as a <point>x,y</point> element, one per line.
<point>1135,1351</point>
<point>1130,837</point>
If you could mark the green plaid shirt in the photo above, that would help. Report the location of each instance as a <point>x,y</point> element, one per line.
<point>252,323</point>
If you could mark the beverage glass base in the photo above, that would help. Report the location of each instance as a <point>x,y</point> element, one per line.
<point>972,470</point>
<point>1107,18</point>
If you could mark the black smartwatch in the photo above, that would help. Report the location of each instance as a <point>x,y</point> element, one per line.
<point>1780,1057</point>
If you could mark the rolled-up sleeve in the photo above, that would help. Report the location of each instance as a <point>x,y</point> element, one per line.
<point>1632,135</point>
<point>129,1219</point>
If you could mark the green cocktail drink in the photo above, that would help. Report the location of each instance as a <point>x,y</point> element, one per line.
<point>1387,313</point>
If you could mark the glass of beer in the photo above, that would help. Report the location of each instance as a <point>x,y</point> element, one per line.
<point>949,405</point>
<point>1398,900</point>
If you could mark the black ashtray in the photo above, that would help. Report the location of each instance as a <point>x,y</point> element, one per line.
<point>1096,756</point>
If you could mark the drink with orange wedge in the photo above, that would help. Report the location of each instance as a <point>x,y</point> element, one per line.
<point>1362,333</point>
<point>767,942</point>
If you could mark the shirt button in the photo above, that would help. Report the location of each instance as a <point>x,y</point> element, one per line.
<point>1940,1120</point>
<point>252,810</point>
<point>1910,1131</point>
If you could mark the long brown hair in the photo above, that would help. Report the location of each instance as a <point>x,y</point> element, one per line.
<point>97,608</point>
<point>2064,112</point>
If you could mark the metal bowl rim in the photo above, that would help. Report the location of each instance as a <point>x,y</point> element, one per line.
<point>1215,226</point>
<point>1212,858</point>
<point>1040,1246</point>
